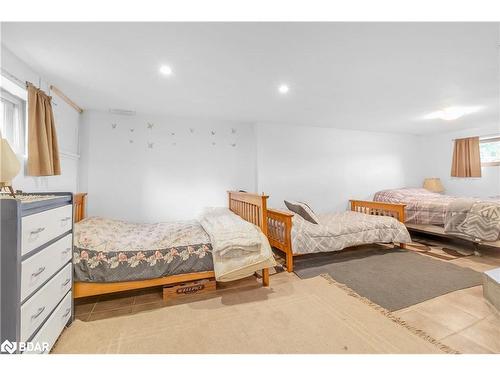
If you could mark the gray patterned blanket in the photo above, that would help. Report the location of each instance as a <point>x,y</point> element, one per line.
<point>477,220</point>
<point>344,229</point>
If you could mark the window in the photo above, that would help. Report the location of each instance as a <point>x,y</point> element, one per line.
<point>490,151</point>
<point>12,119</point>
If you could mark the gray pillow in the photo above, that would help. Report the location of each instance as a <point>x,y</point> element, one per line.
<point>303,210</point>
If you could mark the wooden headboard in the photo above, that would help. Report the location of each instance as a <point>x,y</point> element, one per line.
<point>250,207</point>
<point>79,206</point>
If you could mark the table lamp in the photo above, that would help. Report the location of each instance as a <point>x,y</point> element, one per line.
<point>433,184</point>
<point>9,166</point>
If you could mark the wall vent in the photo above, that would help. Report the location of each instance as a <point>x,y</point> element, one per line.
<point>122,112</point>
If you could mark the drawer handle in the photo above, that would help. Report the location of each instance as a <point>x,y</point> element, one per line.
<point>67,250</point>
<point>68,310</point>
<point>37,273</point>
<point>66,282</point>
<point>66,218</point>
<point>37,231</point>
<point>38,313</point>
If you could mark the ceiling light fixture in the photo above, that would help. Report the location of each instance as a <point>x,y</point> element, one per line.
<point>165,70</point>
<point>451,113</point>
<point>283,89</point>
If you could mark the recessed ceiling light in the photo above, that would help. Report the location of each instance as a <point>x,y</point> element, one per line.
<point>283,89</point>
<point>451,113</point>
<point>165,70</point>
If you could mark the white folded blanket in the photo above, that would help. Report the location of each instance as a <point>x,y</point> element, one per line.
<point>229,234</point>
<point>239,248</point>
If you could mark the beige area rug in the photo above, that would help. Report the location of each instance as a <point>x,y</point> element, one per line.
<point>304,316</point>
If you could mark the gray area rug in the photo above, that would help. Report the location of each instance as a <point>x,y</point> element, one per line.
<point>392,278</point>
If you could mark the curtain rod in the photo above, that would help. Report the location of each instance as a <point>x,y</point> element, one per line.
<point>481,137</point>
<point>56,91</point>
<point>65,98</point>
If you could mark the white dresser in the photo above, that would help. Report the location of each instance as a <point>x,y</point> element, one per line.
<point>36,274</point>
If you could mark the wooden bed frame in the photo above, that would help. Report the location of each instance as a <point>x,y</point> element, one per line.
<point>280,224</point>
<point>251,207</point>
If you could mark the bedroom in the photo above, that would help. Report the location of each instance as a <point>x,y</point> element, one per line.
<point>332,174</point>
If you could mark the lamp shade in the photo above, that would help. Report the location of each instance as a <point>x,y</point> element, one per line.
<point>433,184</point>
<point>9,165</point>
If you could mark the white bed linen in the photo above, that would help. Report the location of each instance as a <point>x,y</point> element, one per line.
<point>239,248</point>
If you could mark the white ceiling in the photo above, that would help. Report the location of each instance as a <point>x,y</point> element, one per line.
<point>369,76</point>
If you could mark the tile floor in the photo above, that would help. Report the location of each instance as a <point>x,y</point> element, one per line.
<point>462,319</point>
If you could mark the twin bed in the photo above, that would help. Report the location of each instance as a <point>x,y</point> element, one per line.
<point>225,244</point>
<point>473,219</point>
<point>366,223</point>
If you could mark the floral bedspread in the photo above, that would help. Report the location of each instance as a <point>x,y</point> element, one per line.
<point>109,250</point>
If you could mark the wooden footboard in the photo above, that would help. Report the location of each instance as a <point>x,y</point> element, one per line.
<point>279,233</point>
<point>395,210</point>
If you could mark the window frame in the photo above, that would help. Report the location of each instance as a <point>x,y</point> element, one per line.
<point>13,93</point>
<point>490,140</point>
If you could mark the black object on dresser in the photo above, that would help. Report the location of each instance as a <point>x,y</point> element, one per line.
<point>36,274</point>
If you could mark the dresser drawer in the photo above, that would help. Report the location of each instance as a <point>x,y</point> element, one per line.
<point>40,228</point>
<point>52,328</point>
<point>41,266</point>
<point>38,307</point>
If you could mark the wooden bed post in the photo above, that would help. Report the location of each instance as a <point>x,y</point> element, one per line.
<point>79,206</point>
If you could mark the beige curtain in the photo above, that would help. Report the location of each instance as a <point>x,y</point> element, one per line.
<point>43,151</point>
<point>466,159</point>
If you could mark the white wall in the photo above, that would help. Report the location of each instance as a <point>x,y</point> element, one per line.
<point>67,124</point>
<point>326,167</point>
<point>438,151</point>
<point>134,182</point>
